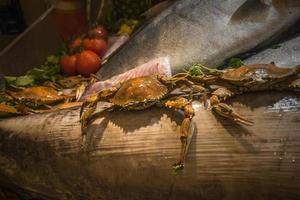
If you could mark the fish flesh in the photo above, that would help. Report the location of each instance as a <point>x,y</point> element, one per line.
<point>204,31</point>
<point>283,54</point>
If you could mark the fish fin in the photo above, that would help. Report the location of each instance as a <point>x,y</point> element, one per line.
<point>251,10</point>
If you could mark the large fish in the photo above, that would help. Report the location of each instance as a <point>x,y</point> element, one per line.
<point>129,154</point>
<point>283,54</point>
<point>204,31</point>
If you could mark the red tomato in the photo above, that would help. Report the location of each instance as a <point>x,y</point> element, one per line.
<point>98,32</point>
<point>88,63</point>
<point>75,44</point>
<point>99,46</point>
<point>68,65</point>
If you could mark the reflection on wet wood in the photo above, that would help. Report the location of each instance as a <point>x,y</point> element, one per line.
<point>130,154</point>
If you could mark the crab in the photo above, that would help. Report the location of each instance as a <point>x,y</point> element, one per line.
<point>248,78</point>
<point>35,97</point>
<point>73,81</point>
<point>77,84</point>
<point>144,92</point>
<point>8,111</point>
<point>42,99</point>
<point>141,93</point>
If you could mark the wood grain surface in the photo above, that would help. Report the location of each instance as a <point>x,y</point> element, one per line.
<point>128,155</point>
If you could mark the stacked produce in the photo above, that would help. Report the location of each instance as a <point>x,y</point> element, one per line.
<point>85,53</point>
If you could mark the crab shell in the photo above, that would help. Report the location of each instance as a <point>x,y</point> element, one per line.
<point>140,93</point>
<point>67,105</point>
<point>36,96</point>
<point>7,110</point>
<point>259,74</point>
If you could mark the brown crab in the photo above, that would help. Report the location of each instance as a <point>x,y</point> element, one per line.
<point>255,77</point>
<point>41,99</point>
<point>71,81</point>
<point>77,84</point>
<point>39,96</point>
<point>8,111</point>
<point>141,93</point>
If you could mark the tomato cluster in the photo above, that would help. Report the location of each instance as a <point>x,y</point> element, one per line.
<point>85,53</point>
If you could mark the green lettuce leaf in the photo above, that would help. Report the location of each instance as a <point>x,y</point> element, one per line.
<point>23,81</point>
<point>200,70</point>
<point>38,75</point>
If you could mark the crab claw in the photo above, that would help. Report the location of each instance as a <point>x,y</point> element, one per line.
<point>80,91</point>
<point>228,112</point>
<point>84,104</point>
<point>85,118</point>
<point>91,104</point>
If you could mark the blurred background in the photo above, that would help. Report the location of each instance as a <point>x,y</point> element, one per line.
<point>31,30</point>
<point>16,15</point>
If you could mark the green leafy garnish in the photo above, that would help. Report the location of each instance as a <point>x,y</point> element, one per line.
<point>2,97</point>
<point>10,79</point>
<point>38,75</point>
<point>235,63</point>
<point>21,81</point>
<point>24,81</point>
<point>53,59</point>
<point>195,70</point>
<point>200,70</point>
<point>177,169</point>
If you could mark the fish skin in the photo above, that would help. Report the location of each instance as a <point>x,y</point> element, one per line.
<point>283,54</point>
<point>114,43</point>
<point>203,31</point>
<point>129,154</point>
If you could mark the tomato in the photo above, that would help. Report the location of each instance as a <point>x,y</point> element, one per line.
<point>88,63</point>
<point>98,32</point>
<point>99,46</point>
<point>68,65</point>
<point>75,44</point>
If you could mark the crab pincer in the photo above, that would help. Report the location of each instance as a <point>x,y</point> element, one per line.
<point>224,109</point>
<point>229,113</point>
<point>250,78</point>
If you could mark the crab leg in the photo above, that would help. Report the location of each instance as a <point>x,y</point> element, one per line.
<point>91,103</point>
<point>186,132</point>
<point>225,110</point>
